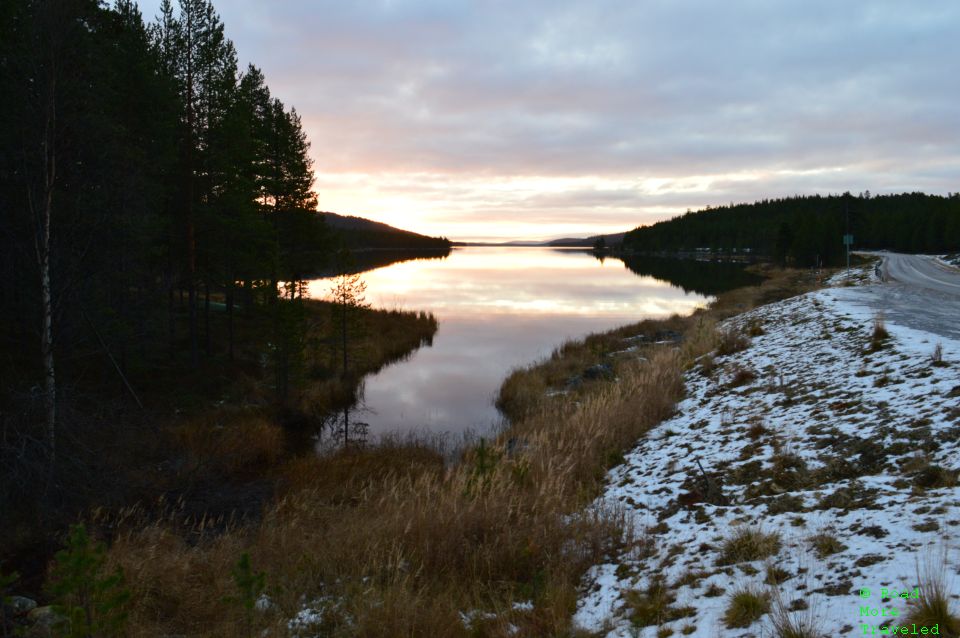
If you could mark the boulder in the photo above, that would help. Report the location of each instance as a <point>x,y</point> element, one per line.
<point>19,605</point>
<point>599,371</point>
<point>45,617</point>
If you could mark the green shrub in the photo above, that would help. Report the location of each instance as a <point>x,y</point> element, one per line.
<point>250,586</point>
<point>92,601</point>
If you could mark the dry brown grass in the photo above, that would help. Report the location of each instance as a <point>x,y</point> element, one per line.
<point>786,623</point>
<point>732,340</point>
<point>231,442</point>
<point>934,607</point>
<point>390,542</point>
<point>748,544</point>
<point>745,606</point>
<point>404,539</point>
<point>879,335</point>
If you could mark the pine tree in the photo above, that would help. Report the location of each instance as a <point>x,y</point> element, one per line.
<point>203,65</point>
<point>93,601</point>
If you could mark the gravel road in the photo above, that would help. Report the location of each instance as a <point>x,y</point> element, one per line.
<point>917,292</point>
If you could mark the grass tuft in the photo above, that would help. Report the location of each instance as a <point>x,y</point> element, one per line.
<point>933,606</point>
<point>755,327</point>
<point>731,340</point>
<point>826,544</point>
<point>936,357</point>
<point>741,376</point>
<point>785,623</point>
<point>879,335</point>
<point>745,607</point>
<point>748,544</point>
<point>932,476</point>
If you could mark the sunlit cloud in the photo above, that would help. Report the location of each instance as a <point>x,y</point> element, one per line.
<point>550,118</point>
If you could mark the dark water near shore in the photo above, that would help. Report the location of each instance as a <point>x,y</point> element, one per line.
<point>500,308</point>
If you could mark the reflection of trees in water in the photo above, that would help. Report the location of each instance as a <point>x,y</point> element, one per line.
<point>345,427</point>
<point>364,260</point>
<point>702,277</point>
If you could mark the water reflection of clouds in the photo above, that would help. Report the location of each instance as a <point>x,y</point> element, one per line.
<point>499,308</point>
<point>523,281</point>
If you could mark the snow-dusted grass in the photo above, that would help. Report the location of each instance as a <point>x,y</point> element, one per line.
<point>844,445</point>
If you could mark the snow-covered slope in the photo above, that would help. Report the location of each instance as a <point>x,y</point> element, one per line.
<point>809,434</point>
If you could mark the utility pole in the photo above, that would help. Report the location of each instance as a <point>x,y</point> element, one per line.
<point>847,238</point>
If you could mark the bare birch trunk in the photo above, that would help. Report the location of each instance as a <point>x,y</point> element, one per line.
<point>42,212</point>
<point>46,339</point>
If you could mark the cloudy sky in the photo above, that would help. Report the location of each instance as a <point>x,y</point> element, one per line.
<point>546,118</point>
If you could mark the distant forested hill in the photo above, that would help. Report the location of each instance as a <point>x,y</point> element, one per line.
<point>360,233</point>
<point>799,230</point>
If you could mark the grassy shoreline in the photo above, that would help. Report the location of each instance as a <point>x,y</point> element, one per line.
<point>214,439</point>
<point>388,541</point>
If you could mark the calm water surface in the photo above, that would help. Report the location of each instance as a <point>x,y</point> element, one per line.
<point>498,308</point>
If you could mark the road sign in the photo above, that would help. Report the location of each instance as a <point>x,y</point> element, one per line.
<point>847,240</point>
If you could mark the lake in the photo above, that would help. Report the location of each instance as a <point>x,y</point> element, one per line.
<point>504,307</point>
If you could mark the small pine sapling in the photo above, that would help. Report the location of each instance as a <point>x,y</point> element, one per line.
<point>92,601</point>
<point>250,585</point>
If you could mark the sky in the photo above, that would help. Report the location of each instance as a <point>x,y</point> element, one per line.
<point>495,120</point>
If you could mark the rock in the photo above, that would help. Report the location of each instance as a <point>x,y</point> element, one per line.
<point>20,605</point>
<point>599,371</point>
<point>45,616</point>
<point>516,446</point>
<point>662,336</point>
<point>264,603</point>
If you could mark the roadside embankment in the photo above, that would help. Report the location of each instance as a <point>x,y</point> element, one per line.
<point>802,476</point>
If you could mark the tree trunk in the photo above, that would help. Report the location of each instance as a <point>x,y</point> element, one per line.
<point>171,320</point>
<point>206,317</point>
<point>343,334</point>
<point>46,339</point>
<point>230,293</point>
<point>194,338</point>
<point>191,178</point>
<point>42,214</point>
